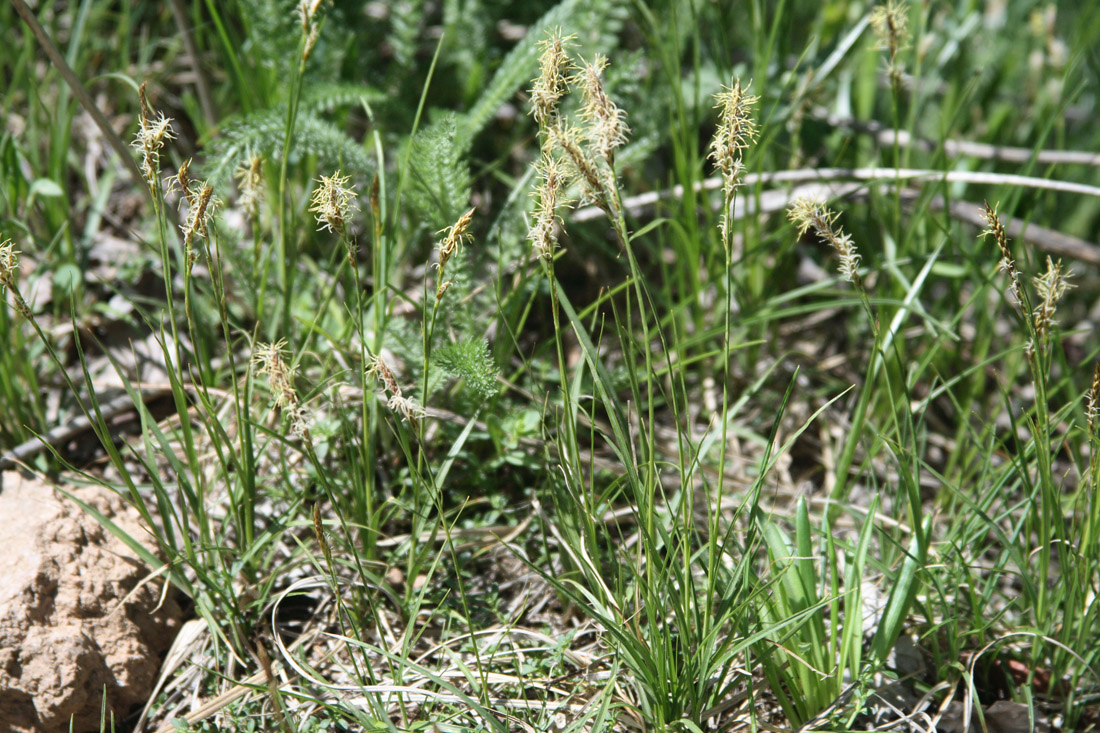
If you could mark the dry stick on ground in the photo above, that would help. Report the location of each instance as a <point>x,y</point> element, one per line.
<point>636,205</point>
<point>835,183</point>
<point>62,434</point>
<point>1011,154</point>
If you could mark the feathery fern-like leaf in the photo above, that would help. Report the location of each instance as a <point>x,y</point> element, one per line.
<point>324,96</point>
<point>262,133</point>
<point>470,360</point>
<point>440,174</point>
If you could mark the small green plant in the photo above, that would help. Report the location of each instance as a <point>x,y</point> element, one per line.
<point>495,403</point>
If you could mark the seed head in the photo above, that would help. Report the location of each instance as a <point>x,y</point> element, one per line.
<point>550,192</point>
<point>181,182</point>
<point>1050,287</point>
<point>605,127</point>
<point>406,407</point>
<point>150,137</point>
<point>332,201</point>
<point>736,131</point>
<point>9,263</point>
<point>1092,402</point>
<point>552,82</point>
<point>456,235</point>
<point>809,214</point>
<point>250,174</point>
<point>996,230</point>
<point>890,22</point>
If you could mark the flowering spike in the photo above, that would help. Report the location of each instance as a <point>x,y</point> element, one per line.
<point>332,201</point>
<point>605,128</point>
<point>736,131</point>
<point>996,230</point>
<point>810,214</point>
<point>200,212</point>
<point>9,265</point>
<point>268,360</point>
<point>551,187</point>
<point>890,22</point>
<point>552,83</point>
<point>150,137</point>
<point>1092,403</point>
<point>456,235</point>
<point>251,177</point>
<point>404,406</point>
<point>1050,287</point>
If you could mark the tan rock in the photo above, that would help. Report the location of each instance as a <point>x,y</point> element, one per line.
<point>68,625</point>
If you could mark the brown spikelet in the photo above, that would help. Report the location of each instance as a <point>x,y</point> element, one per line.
<point>996,230</point>
<point>1092,402</point>
<point>9,266</point>
<point>202,205</point>
<point>456,235</point>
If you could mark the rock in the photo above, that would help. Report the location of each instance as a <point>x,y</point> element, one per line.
<point>68,625</point>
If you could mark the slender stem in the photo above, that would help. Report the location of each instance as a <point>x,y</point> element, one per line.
<point>286,261</point>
